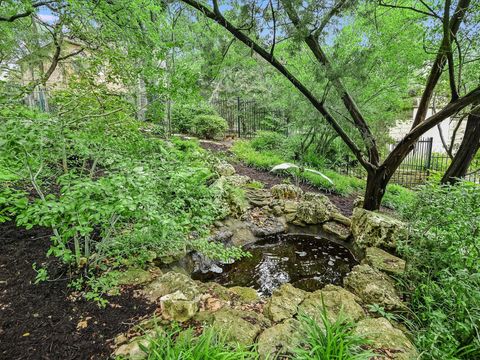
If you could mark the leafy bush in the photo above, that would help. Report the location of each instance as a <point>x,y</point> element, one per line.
<point>443,277</point>
<point>184,345</point>
<point>113,195</point>
<point>268,140</point>
<point>209,126</point>
<point>183,115</point>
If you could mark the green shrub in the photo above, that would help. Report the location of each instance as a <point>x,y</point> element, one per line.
<point>209,126</point>
<point>112,194</point>
<point>184,345</point>
<point>443,277</point>
<point>183,115</point>
<point>268,140</point>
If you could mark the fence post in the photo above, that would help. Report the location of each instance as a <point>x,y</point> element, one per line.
<point>429,153</point>
<point>238,117</point>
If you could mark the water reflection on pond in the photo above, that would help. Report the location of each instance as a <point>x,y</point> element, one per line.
<point>307,262</point>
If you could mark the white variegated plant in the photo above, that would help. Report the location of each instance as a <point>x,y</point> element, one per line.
<point>298,171</point>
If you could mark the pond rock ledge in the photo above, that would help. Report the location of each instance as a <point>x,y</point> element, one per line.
<point>272,211</point>
<point>270,323</point>
<point>273,323</point>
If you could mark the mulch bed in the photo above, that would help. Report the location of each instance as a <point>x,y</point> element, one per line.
<point>40,321</point>
<point>343,203</point>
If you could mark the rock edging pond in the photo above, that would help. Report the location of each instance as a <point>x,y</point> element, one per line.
<point>272,322</point>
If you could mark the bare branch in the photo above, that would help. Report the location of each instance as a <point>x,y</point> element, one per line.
<point>439,63</point>
<point>428,13</point>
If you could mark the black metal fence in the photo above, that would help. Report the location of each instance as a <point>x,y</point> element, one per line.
<point>246,117</point>
<point>420,164</point>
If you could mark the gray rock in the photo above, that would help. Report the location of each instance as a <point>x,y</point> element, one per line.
<point>317,209</point>
<point>274,225</point>
<point>283,303</point>
<point>259,197</point>
<point>132,350</point>
<point>170,283</point>
<point>339,230</point>
<point>385,337</point>
<point>383,261</point>
<point>373,287</point>
<point>375,229</point>
<point>239,326</point>
<point>286,191</point>
<point>224,169</point>
<point>241,232</point>
<point>245,294</point>
<point>280,339</point>
<point>135,276</point>
<point>177,307</point>
<point>335,301</point>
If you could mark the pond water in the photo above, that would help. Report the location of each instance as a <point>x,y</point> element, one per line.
<point>307,262</point>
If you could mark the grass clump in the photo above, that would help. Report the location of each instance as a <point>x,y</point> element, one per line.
<point>263,155</point>
<point>443,276</point>
<point>184,345</point>
<point>329,340</point>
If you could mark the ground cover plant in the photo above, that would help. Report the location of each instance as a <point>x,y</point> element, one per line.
<point>92,93</point>
<point>267,157</point>
<point>442,281</point>
<point>114,195</point>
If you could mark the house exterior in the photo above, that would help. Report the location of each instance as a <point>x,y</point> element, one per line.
<point>447,128</point>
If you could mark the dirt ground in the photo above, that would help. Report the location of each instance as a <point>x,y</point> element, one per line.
<point>39,321</point>
<point>344,203</point>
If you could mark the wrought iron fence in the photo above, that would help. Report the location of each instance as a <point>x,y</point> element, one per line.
<point>246,117</point>
<point>420,164</point>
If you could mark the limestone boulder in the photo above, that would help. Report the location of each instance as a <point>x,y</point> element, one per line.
<point>335,301</point>
<point>132,350</point>
<point>373,287</point>
<point>375,229</point>
<point>313,210</point>
<point>339,230</point>
<point>136,276</point>
<point>317,209</point>
<point>241,232</point>
<point>289,209</point>
<point>239,326</point>
<point>279,339</point>
<point>170,283</point>
<point>177,307</point>
<point>384,261</point>
<point>384,336</point>
<point>286,192</point>
<point>270,226</point>
<point>259,197</point>
<point>245,294</point>
<point>284,302</point>
<point>224,169</point>
<point>235,180</point>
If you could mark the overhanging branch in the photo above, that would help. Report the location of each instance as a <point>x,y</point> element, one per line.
<point>218,17</point>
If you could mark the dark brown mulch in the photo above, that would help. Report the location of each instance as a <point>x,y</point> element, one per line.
<point>344,203</point>
<point>39,321</point>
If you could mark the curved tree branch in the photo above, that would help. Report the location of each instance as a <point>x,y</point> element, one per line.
<point>218,17</point>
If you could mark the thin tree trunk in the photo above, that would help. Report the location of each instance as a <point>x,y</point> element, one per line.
<point>467,150</point>
<point>376,185</point>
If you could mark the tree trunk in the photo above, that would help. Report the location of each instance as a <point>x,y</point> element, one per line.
<point>467,150</point>
<point>376,184</point>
